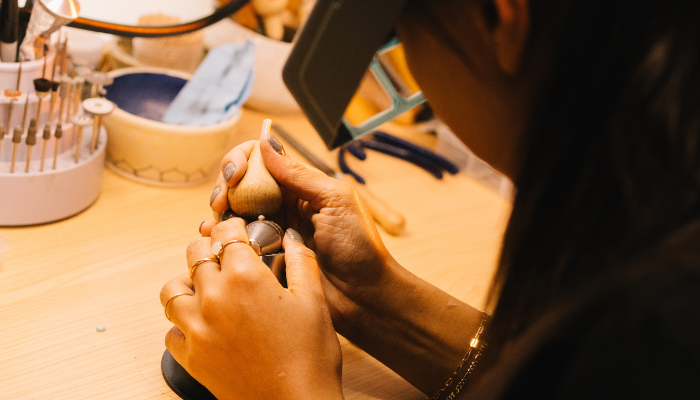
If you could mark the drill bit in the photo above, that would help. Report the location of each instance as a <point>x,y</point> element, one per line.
<point>42,86</point>
<point>53,89</point>
<point>80,122</point>
<point>69,94</point>
<point>41,93</point>
<point>97,107</point>
<point>16,139</point>
<point>31,141</point>
<point>58,134</point>
<point>60,54</point>
<point>46,136</point>
<point>62,93</point>
<point>64,56</point>
<point>19,75</point>
<point>52,102</point>
<point>79,141</point>
<point>78,84</point>
<point>81,73</point>
<point>24,113</point>
<point>8,118</point>
<point>98,80</point>
<point>46,50</point>
<point>47,127</point>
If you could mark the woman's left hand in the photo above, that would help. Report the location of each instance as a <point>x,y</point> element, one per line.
<point>244,336</point>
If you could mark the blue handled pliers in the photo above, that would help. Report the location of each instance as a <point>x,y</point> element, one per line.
<point>397,147</point>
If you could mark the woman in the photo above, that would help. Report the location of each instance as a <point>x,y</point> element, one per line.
<point>593,109</point>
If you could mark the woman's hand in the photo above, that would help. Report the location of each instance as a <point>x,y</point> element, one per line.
<point>409,325</point>
<point>333,221</point>
<point>241,334</point>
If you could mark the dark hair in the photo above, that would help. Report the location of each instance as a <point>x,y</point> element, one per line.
<point>612,167</point>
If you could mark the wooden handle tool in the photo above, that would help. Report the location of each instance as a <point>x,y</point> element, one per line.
<point>390,219</point>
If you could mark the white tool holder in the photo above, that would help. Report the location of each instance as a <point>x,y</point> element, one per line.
<point>41,196</point>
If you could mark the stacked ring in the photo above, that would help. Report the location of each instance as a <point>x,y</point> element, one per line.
<point>218,249</point>
<point>165,307</point>
<point>200,262</point>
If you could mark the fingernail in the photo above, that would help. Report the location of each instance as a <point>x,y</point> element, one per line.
<point>229,169</point>
<point>295,235</point>
<point>200,227</point>
<point>276,145</point>
<point>213,195</point>
<point>228,214</point>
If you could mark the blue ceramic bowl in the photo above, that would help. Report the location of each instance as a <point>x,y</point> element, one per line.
<point>142,147</point>
<point>146,94</point>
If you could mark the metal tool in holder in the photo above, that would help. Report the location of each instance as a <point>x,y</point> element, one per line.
<point>30,141</point>
<point>80,122</point>
<point>265,238</point>
<point>98,108</point>
<point>42,87</point>
<point>67,188</point>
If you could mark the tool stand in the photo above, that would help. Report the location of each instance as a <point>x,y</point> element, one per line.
<point>42,196</point>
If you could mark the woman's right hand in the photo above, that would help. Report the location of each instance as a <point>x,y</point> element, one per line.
<point>333,221</point>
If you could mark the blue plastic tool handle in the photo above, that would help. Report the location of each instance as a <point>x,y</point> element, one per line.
<point>412,157</point>
<point>404,144</point>
<point>356,151</point>
<point>345,169</point>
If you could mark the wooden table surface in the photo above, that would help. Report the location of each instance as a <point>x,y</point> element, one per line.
<point>106,266</point>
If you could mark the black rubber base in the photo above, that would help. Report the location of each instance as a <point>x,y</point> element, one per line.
<point>181,382</point>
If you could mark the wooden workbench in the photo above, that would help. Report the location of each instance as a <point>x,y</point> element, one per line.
<point>106,266</point>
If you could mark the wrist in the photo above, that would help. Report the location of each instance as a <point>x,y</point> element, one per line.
<point>456,382</point>
<point>388,304</point>
<point>355,305</point>
<point>415,329</point>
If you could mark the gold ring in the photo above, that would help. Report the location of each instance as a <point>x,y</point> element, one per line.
<point>200,262</point>
<point>165,307</point>
<point>218,249</point>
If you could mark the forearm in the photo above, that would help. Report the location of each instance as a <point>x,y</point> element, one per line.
<point>416,329</point>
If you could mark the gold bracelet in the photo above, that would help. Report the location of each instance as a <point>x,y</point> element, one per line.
<point>461,383</point>
<point>472,345</point>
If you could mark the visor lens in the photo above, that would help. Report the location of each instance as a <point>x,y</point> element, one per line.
<point>393,62</point>
<point>387,92</point>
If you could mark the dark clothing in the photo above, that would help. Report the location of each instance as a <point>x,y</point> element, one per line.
<point>640,342</point>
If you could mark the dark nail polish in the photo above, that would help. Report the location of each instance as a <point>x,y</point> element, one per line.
<point>200,227</point>
<point>229,169</point>
<point>295,235</point>
<point>213,195</point>
<point>276,145</point>
<point>228,214</point>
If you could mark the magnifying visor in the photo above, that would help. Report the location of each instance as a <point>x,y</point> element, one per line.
<point>329,63</point>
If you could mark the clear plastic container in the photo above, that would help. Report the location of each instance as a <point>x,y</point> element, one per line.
<point>450,147</point>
